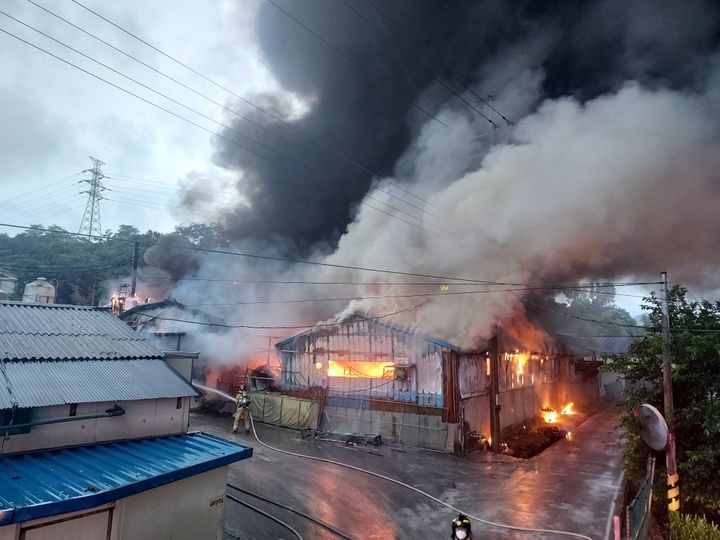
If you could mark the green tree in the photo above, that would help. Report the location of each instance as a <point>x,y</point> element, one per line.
<point>695,352</point>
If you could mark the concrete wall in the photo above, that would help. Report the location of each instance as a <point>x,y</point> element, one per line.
<point>398,427</point>
<point>190,509</point>
<point>147,418</point>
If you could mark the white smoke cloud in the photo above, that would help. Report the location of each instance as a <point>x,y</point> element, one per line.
<point>624,185</point>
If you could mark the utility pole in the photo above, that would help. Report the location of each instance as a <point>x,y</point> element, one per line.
<point>494,394</point>
<point>90,223</point>
<point>136,252</point>
<point>673,478</point>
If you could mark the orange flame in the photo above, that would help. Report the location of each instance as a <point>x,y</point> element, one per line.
<point>367,370</point>
<point>549,415</point>
<point>568,409</point>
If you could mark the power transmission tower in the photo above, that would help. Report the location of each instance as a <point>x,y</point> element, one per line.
<point>90,223</point>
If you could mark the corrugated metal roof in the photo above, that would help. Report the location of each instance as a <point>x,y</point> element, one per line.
<point>42,484</point>
<point>168,317</point>
<point>47,383</point>
<point>359,317</point>
<point>5,397</point>
<point>41,331</point>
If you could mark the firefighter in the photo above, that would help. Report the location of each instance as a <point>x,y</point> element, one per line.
<point>461,528</point>
<point>242,401</point>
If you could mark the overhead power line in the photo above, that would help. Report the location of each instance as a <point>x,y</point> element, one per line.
<point>374,297</point>
<point>443,68</point>
<point>202,115</point>
<point>342,54</point>
<point>65,269</point>
<point>254,105</point>
<point>280,327</point>
<point>284,259</point>
<point>34,192</point>
<point>422,65</point>
<point>551,286</point>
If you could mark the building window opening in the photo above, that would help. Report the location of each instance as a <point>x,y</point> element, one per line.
<point>73,409</point>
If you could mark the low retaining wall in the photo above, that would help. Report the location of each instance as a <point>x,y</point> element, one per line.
<point>397,423</point>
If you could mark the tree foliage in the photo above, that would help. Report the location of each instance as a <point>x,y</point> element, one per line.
<point>79,267</point>
<point>695,353</point>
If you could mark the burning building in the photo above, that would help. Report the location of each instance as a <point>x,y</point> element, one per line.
<point>418,390</point>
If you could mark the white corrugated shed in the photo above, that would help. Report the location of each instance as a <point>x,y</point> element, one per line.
<point>43,384</point>
<point>55,355</point>
<point>37,331</point>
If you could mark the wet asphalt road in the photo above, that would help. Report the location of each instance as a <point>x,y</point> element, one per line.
<point>570,486</point>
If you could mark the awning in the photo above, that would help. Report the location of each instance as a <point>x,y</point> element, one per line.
<point>40,484</point>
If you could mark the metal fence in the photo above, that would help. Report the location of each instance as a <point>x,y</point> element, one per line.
<point>637,515</point>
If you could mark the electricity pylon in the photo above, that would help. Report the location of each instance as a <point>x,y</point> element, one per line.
<point>90,223</point>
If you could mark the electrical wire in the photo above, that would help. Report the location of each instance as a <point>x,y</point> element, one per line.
<point>137,96</point>
<point>290,509</point>
<point>343,54</point>
<point>358,298</point>
<point>161,94</point>
<point>446,279</point>
<point>554,286</point>
<point>424,66</point>
<point>191,109</point>
<point>47,206</point>
<point>225,107</point>
<point>399,210</point>
<point>47,268</point>
<point>267,515</point>
<point>416,490</point>
<point>39,200</point>
<point>34,192</point>
<point>443,68</point>
<point>266,257</point>
<point>288,327</point>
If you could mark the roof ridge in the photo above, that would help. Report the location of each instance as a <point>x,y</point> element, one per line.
<point>19,303</point>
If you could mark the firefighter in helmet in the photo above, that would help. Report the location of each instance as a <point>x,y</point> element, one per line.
<point>242,412</point>
<point>461,528</point>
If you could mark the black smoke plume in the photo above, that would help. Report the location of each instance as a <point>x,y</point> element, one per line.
<point>380,64</point>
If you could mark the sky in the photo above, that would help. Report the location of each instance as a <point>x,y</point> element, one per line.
<point>377,109</point>
<point>54,116</point>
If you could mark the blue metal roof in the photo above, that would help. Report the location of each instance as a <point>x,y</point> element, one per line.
<point>40,484</point>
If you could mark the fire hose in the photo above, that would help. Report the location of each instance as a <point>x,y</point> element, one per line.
<point>418,491</point>
<point>267,515</point>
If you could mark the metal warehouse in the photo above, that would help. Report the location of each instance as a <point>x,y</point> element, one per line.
<point>372,377</point>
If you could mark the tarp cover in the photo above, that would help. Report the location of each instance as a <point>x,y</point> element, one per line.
<point>285,411</point>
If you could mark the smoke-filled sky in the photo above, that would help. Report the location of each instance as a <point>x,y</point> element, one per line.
<point>607,170</point>
<point>521,142</point>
